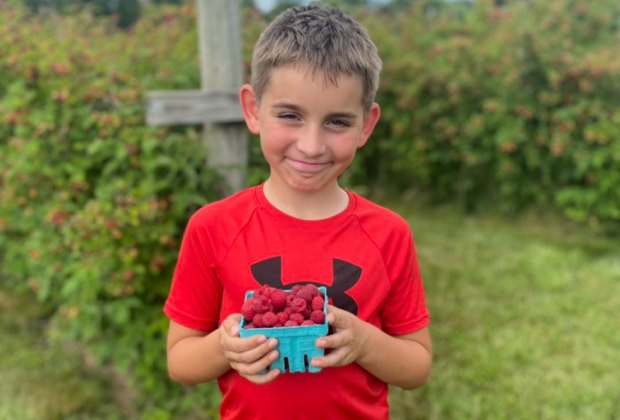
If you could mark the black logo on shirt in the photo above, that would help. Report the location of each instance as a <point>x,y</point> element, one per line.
<point>346,275</point>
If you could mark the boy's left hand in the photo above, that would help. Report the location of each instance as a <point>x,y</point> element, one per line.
<point>346,343</point>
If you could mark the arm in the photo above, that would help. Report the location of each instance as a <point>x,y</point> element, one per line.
<point>196,356</point>
<point>409,356</point>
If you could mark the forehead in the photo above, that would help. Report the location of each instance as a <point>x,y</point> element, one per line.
<point>312,84</point>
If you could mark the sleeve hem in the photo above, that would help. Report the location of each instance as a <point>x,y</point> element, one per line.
<point>412,326</point>
<point>187,320</point>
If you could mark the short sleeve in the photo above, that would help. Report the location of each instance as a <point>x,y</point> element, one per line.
<point>404,311</point>
<point>195,294</point>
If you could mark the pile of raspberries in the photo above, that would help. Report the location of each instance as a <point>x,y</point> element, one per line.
<point>272,307</point>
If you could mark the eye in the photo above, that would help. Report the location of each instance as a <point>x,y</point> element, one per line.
<point>287,116</point>
<point>339,122</point>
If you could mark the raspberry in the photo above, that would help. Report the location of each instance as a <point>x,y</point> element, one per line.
<point>296,289</point>
<point>297,318</point>
<point>269,319</point>
<point>306,294</point>
<point>282,317</point>
<point>278,299</point>
<point>290,323</point>
<point>317,303</point>
<point>289,298</point>
<point>248,326</point>
<point>247,310</point>
<point>258,320</point>
<point>298,304</point>
<point>261,304</point>
<point>318,317</point>
<point>307,322</point>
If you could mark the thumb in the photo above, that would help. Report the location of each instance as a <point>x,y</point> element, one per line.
<point>232,324</point>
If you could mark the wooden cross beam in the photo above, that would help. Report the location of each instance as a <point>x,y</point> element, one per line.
<point>216,104</point>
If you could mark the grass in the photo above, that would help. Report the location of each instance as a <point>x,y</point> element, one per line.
<point>41,381</point>
<point>525,320</point>
<point>525,317</point>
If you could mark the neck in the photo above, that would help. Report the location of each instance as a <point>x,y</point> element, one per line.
<point>307,205</point>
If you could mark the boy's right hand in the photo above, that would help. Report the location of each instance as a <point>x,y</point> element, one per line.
<point>248,356</point>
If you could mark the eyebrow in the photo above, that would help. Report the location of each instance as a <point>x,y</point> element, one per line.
<point>293,107</point>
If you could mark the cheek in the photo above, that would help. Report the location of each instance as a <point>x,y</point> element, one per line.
<point>345,148</point>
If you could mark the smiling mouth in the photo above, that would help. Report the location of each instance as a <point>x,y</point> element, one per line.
<point>307,167</point>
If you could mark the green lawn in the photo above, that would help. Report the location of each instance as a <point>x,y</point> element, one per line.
<point>41,381</point>
<point>525,320</point>
<point>525,325</point>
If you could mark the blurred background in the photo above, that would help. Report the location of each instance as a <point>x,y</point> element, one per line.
<point>499,142</point>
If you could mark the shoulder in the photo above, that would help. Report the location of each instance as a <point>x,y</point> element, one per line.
<point>378,218</point>
<point>229,213</point>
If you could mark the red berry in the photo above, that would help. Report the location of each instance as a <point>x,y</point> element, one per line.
<point>305,294</point>
<point>258,320</point>
<point>317,303</point>
<point>298,304</point>
<point>290,323</point>
<point>278,299</point>
<point>261,304</point>
<point>297,318</point>
<point>282,317</point>
<point>308,322</point>
<point>247,310</point>
<point>269,319</point>
<point>318,317</point>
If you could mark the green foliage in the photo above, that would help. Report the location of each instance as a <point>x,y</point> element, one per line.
<point>513,106</point>
<point>93,202</point>
<point>516,106</point>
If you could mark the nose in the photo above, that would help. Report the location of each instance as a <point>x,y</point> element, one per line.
<point>310,141</point>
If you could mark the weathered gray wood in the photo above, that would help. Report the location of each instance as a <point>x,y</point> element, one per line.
<point>221,66</point>
<point>192,107</point>
<point>216,104</point>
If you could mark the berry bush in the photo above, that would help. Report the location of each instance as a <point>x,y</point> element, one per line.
<point>92,201</point>
<point>509,107</point>
<point>517,106</point>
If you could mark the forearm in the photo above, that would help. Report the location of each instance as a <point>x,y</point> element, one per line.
<point>400,361</point>
<point>197,359</point>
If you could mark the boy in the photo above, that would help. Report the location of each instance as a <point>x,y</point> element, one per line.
<point>314,77</point>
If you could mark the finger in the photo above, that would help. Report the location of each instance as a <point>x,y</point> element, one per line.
<point>255,350</point>
<point>331,359</point>
<point>257,366</point>
<point>340,338</point>
<point>264,378</point>
<point>231,325</point>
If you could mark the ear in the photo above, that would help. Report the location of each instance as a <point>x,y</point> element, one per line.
<point>249,107</point>
<point>370,121</point>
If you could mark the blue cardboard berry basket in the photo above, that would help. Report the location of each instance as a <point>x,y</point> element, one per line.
<point>295,344</point>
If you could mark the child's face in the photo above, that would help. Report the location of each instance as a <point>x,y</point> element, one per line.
<point>310,128</point>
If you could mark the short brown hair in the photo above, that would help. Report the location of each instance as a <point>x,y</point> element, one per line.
<point>323,38</point>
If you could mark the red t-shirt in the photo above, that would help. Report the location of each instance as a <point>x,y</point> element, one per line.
<point>366,258</point>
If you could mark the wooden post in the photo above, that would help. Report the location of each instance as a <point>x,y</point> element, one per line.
<point>216,105</point>
<point>221,66</point>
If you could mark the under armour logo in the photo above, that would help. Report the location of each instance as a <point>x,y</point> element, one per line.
<point>269,272</point>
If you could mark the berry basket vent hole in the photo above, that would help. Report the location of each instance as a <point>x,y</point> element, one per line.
<point>306,362</point>
<point>286,365</point>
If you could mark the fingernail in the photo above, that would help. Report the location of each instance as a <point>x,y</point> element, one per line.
<point>261,339</point>
<point>273,342</point>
